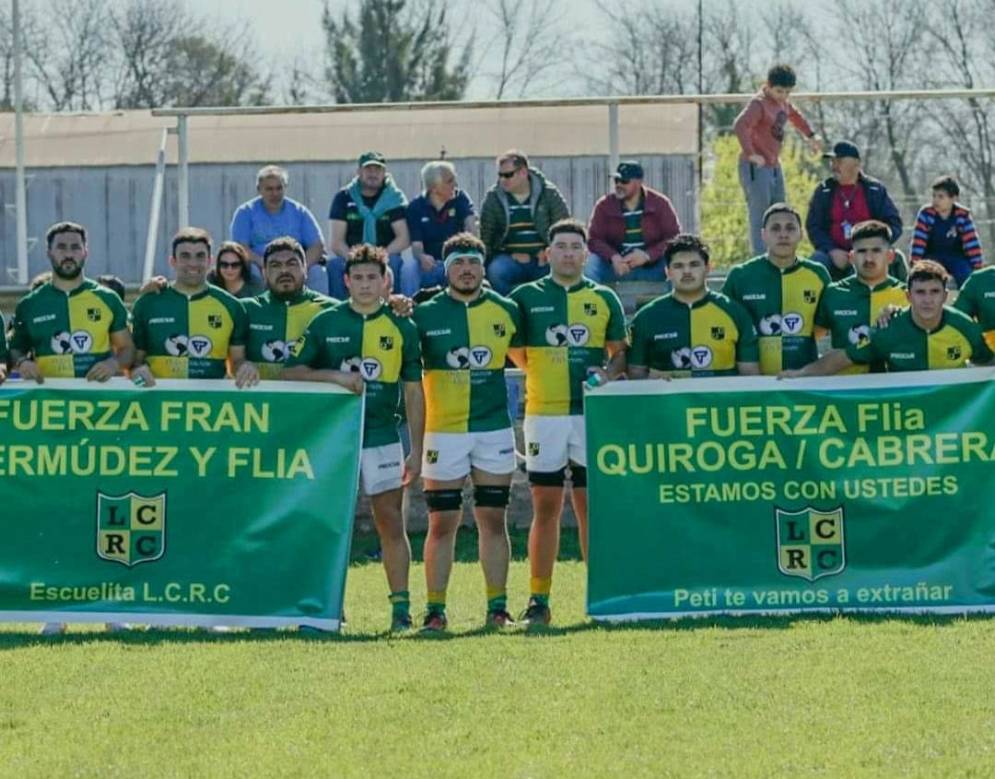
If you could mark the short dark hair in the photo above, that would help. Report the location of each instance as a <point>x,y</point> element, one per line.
<point>516,156</point>
<point>367,254</point>
<point>191,235</point>
<point>64,227</point>
<point>871,228</point>
<point>112,282</point>
<point>782,75</point>
<point>463,242</point>
<point>568,225</point>
<point>685,242</point>
<point>781,208</point>
<point>284,243</point>
<point>927,270</point>
<point>948,184</point>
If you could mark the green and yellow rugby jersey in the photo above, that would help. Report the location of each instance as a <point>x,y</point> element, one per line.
<point>275,324</point>
<point>706,338</point>
<point>564,331</point>
<point>464,348</point>
<point>187,336</point>
<point>977,300</point>
<point>782,305</point>
<point>849,309</point>
<point>904,346</point>
<point>3,340</point>
<point>68,332</point>
<point>381,347</point>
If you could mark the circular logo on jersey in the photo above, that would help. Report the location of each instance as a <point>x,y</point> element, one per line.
<point>199,345</point>
<point>858,334</point>
<point>82,342</point>
<point>770,325</point>
<point>370,368</point>
<point>458,358</point>
<point>176,345</point>
<point>275,351</point>
<point>792,323</point>
<point>480,356</point>
<point>701,357</point>
<point>352,365</point>
<point>556,335</point>
<point>62,343</point>
<point>578,334</point>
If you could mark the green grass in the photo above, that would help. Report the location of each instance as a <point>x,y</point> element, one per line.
<point>725,697</point>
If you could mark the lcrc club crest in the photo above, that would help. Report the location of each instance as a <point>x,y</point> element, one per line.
<point>131,528</point>
<point>93,314</point>
<point>810,542</point>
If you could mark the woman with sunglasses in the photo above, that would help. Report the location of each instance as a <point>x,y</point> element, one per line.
<point>231,271</point>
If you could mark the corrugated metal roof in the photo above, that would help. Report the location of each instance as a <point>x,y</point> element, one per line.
<point>132,137</point>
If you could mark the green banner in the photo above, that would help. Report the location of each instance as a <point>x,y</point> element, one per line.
<point>752,495</point>
<point>191,503</point>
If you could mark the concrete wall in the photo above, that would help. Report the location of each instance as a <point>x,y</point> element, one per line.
<point>113,202</point>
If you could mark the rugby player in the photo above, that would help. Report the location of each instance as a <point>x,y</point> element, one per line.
<point>70,327</point>
<point>850,307</point>
<point>571,327</point>
<point>466,332</point>
<point>190,329</point>
<point>278,316</point>
<point>363,342</point>
<point>926,336</point>
<point>977,299</point>
<point>781,292</point>
<point>691,331</point>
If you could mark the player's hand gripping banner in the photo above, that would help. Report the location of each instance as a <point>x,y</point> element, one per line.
<point>190,503</point>
<point>746,495</point>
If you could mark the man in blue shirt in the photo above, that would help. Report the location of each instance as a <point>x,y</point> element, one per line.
<point>273,215</point>
<point>436,215</point>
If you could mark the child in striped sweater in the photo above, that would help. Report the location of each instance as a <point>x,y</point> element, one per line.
<point>945,232</point>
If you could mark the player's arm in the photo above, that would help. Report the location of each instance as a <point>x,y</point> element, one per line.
<point>980,353</point>
<point>141,373</point>
<point>414,406</point>
<point>246,372</point>
<point>637,358</point>
<point>122,358</point>
<point>637,371</point>
<point>830,363</point>
<point>748,368</point>
<point>518,356</point>
<point>347,379</point>
<point>616,359</point>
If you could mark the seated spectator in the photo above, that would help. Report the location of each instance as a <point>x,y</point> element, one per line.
<point>231,271</point>
<point>370,209</point>
<point>630,230</point>
<point>945,232</point>
<point>843,200</point>
<point>271,215</point>
<point>514,221</point>
<point>437,214</point>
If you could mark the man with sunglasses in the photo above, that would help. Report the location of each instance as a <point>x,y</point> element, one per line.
<point>630,229</point>
<point>514,221</point>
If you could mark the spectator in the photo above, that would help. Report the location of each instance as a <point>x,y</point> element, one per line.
<point>272,214</point>
<point>843,200</point>
<point>945,232</point>
<point>114,283</point>
<point>232,271</point>
<point>370,209</point>
<point>437,214</point>
<point>515,220</point>
<point>760,130</point>
<point>630,230</point>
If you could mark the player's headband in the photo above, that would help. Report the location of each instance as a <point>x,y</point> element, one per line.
<point>468,254</point>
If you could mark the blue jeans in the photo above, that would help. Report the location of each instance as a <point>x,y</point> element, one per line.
<point>317,278</point>
<point>505,273</point>
<point>407,276</point>
<point>435,277</point>
<point>763,186</point>
<point>602,271</point>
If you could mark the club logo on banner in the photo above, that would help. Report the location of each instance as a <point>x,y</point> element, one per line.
<point>810,542</point>
<point>131,528</point>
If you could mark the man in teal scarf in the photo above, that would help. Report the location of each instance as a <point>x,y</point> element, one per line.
<point>370,209</point>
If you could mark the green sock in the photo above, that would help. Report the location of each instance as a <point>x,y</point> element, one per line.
<point>436,602</point>
<point>400,603</point>
<point>540,590</point>
<point>497,599</point>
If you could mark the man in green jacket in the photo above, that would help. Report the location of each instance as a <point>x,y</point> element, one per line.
<point>514,220</point>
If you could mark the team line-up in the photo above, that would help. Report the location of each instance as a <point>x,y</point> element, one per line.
<point>433,373</point>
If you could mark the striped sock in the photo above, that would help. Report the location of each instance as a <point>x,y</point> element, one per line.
<point>436,602</point>
<point>497,599</point>
<point>540,589</point>
<point>400,603</point>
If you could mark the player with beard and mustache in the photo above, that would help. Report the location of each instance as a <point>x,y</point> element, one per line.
<point>70,327</point>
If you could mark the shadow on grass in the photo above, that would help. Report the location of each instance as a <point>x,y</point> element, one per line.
<point>20,640</point>
<point>365,544</point>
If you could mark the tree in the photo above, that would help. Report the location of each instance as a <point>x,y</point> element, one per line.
<point>392,52</point>
<point>531,39</point>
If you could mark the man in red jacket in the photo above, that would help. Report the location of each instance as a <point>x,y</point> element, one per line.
<point>629,230</point>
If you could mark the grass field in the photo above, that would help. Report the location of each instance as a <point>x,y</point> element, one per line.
<point>726,697</point>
